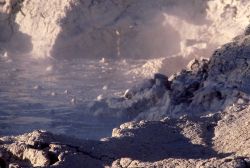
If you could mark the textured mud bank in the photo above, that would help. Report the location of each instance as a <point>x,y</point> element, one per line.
<point>215,141</point>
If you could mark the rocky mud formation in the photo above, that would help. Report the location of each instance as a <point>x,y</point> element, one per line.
<point>203,88</point>
<point>215,141</point>
<point>206,123</point>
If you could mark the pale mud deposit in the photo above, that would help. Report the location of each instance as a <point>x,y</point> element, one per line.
<point>197,118</point>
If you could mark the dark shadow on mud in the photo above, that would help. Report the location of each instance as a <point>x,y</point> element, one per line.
<point>151,142</point>
<point>116,29</point>
<point>158,141</point>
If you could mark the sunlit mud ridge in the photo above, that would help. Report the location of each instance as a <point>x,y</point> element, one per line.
<point>202,120</point>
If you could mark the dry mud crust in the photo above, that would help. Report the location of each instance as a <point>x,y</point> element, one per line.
<point>185,142</point>
<point>232,134</point>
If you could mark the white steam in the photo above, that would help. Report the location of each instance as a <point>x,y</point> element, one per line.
<point>128,29</point>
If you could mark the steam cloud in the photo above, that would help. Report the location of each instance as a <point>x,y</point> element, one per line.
<point>177,30</point>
